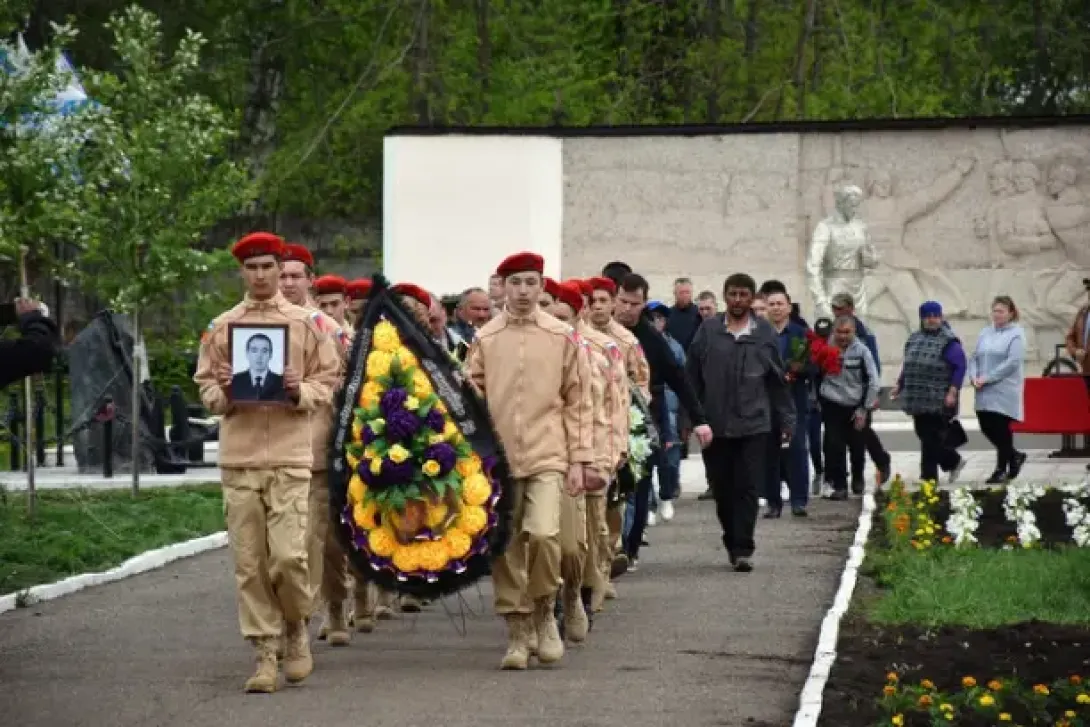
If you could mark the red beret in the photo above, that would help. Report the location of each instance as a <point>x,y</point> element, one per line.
<point>552,287</point>
<point>330,284</point>
<point>359,289</point>
<point>413,291</point>
<point>522,262</point>
<point>571,294</point>
<point>603,284</point>
<point>257,244</point>
<point>298,253</point>
<point>583,286</point>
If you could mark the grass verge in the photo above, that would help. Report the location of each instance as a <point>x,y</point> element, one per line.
<point>983,588</point>
<point>81,531</point>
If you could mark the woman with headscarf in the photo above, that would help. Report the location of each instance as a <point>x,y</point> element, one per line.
<point>932,372</point>
<point>997,372</point>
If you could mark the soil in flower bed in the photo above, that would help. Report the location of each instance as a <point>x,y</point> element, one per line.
<point>1032,653</point>
<point>995,530</point>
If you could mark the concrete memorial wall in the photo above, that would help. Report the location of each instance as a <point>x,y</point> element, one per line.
<point>953,211</point>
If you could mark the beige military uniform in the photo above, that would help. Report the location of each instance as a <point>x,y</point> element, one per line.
<point>265,456</point>
<point>534,373</point>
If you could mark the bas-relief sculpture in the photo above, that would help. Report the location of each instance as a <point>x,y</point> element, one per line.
<point>959,216</point>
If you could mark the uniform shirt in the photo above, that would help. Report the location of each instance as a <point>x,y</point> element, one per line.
<point>534,373</point>
<point>273,436</point>
<point>611,422</point>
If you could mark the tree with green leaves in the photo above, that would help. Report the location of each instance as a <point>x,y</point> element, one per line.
<point>158,161</point>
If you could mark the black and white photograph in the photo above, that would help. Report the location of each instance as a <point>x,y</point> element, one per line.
<point>258,354</point>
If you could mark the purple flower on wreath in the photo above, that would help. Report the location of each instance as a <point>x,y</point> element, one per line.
<point>401,424</point>
<point>393,400</point>
<point>369,435</point>
<point>435,420</point>
<point>444,454</point>
<point>397,474</point>
<point>363,469</point>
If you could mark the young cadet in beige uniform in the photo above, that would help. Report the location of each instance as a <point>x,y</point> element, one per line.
<point>265,457</point>
<point>358,291</point>
<point>612,453</point>
<point>331,295</point>
<point>574,543</point>
<point>534,373</point>
<point>328,578</point>
<point>604,292</point>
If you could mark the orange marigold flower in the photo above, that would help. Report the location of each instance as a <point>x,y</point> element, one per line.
<point>1040,689</point>
<point>968,682</point>
<point>927,684</point>
<point>995,685</point>
<point>892,677</point>
<point>926,700</point>
<point>1075,679</point>
<point>889,690</point>
<point>947,539</point>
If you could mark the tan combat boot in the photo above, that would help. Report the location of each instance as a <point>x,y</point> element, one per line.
<point>576,623</point>
<point>385,609</point>
<point>339,634</point>
<point>550,647</point>
<point>298,663</point>
<point>365,609</point>
<point>610,591</point>
<point>264,679</point>
<point>411,604</point>
<point>517,657</point>
<point>281,646</point>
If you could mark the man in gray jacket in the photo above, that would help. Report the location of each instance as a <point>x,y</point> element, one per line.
<point>735,366</point>
<point>846,400</point>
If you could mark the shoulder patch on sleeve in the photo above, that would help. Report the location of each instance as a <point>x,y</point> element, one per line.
<point>614,351</point>
<point>575,337</point>
<point>206,335</point>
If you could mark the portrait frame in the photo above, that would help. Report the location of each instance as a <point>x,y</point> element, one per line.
<point>256,345</point>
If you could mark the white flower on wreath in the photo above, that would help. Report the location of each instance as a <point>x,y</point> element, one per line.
<point>635,418</point>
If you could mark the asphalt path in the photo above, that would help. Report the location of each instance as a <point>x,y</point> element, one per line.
<point>689,642</point>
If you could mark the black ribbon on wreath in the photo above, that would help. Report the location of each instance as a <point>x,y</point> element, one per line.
<point>464,408</point>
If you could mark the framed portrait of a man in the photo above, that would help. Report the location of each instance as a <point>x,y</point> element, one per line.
<point>258,357</point>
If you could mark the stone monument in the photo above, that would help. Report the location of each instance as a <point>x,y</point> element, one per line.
<point>840,254</point>
<point>100,365</point>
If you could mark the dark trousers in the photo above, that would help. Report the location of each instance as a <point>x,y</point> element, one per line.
<point>736,470</point>
<point>996,428</point>
<point>867,443</point>
<point>840,435</point>
<point>934,452</point>
<point>813,438</point>
<point>788,465</point>
<point>640,508</point>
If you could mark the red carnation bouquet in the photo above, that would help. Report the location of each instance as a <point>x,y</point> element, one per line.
<point>827,357</point>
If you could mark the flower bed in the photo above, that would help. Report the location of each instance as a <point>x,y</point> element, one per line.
<point>948,631</point>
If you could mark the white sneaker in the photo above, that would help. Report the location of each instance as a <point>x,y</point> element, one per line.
<point>761,502</point>
<point>651,520</point>
<point>666,508</point>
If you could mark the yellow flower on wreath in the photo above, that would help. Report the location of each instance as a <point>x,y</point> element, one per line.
<point>472,520</point>
<point>476,489</point>
<point>457,544</point>
<point>385,337</point>
<point>383,541</point>
<point>378,364</point>
<point>412,403</point>
<point>430,468</point>
<point>431,555</point>
<point>406,558</point>
<point>451,433</point>
<point>468,466</point>
<point>357,489</point>
<point>365,515</point>
<point>436,515</point>
<point>398,454</point>
<point>422,387</point>
<point>376,466</point>
<point>407,358</point>
<point>370,394</point>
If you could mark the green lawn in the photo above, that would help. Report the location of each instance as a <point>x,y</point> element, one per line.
<point>80,531</point>
<point>981,588</point>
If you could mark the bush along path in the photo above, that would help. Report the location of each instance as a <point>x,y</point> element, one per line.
<point>78,531</point>
<point>974,610</point>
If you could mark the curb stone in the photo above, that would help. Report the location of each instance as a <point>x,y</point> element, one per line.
<point>142,563</point>
<point>825,654</point>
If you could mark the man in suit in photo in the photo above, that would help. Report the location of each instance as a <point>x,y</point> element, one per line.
<point>258,383</point>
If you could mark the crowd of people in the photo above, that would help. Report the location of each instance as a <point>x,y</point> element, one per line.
<point>558,364</point>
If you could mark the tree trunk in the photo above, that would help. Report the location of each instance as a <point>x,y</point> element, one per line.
<point>713,32</point>
<point>264,88</point>
<point>799,78</point>
<point>28,421</point>
<point>134,414</point>
<point>420,101</point>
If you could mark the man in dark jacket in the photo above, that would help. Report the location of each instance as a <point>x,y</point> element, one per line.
<point>735,365</point>
<point>684,317</point>
<point>34,350</point>
<point>665,372</point>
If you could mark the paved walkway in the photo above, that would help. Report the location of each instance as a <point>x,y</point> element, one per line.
<point>689,642</point>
